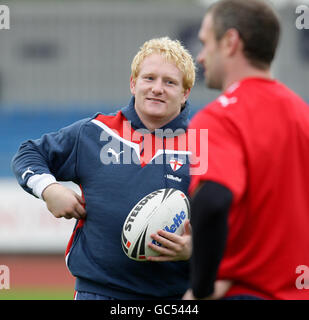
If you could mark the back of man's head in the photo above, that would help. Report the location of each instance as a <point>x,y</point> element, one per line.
<point>257,25</point>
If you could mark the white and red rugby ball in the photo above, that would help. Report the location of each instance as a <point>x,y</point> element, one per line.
<point>165,209</point>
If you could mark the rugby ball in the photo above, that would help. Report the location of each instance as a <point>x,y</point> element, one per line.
<point>166,209</point>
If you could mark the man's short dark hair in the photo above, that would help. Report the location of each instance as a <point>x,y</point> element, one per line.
<point>256,23</point>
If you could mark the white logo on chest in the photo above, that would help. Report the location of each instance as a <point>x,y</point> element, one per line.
<point>114,153</point>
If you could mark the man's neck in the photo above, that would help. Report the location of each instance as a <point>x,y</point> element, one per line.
<point>238,74</point>
<point>152,123</point>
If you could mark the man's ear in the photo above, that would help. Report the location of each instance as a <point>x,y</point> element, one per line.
<point>132,86</point>
<point>185,96</point>
<point>232,41</point>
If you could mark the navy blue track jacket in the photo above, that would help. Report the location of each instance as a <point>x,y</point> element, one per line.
<point>116,162</point>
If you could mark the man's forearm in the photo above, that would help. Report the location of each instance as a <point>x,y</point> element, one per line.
<point>210,208</point>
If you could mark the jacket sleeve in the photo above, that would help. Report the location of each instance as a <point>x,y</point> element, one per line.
<point>52,158</point>
<point>209,210</point>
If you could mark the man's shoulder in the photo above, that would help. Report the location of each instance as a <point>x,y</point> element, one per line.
<point>111,120</point>
<point>216,108</point>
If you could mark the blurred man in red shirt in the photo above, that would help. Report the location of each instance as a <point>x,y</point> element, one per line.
<point>250,210</point>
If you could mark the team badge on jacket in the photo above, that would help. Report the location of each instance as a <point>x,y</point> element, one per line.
<point>176,164</point>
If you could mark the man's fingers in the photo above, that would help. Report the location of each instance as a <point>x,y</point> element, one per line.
<point>168,239</point>
<point>162,250</point>
<point>68,216</point>
<point>76,210</point>
<point>64,202</point>
<point>80,210</point>
<point>174,246</point>
<point>160,258</point>
<point>79,207</point>
<point>169,236</point>
<point>80,199</point>
<point>165,243</point>
<point>74,214</point>
<point>187,228</point>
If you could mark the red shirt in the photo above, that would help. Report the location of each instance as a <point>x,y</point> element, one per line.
<point>258,147</point>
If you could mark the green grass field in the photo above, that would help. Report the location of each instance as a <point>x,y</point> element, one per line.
<point>37,294</point>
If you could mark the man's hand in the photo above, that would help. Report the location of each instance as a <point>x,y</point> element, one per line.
<point>221,288</point>
<point>175,247</point>
<point>63,202</point>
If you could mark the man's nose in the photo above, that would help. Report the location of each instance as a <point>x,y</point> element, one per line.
<point>157,87</point>
<point>200,57</point>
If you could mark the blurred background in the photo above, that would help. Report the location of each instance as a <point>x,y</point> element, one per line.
<point>61,61</point>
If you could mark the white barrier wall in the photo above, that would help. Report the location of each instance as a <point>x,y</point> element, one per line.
<point>26,226</point>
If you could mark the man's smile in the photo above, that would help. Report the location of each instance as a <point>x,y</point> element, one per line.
<point>156,100</point>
